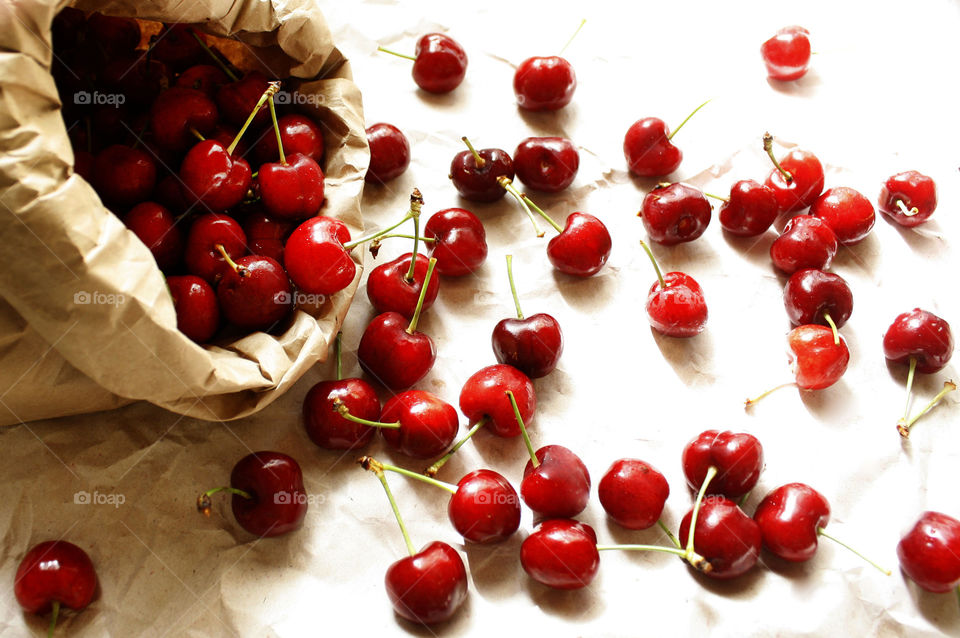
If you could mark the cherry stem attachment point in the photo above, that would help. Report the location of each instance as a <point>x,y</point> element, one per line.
<point>508,186</point>
<point>344,411</point>
<point>719,197</point>
<point>373,465</point>
<point>768,147</point>
<point>270,92</point>
<point>833,326</point>
<point>909,212</point>
<point>216,58</point>
<point>666,530</point>
<point>690,555</point>
<point>523,429</point>
<point>276,130</point>
<point>541,212</point>
<point>423,295</point>
<point>653,260</point>
<point>692,113</point>
<point>237,268</point>
<point>582,22</point>
<point>513,287</point>
<point>822,532</point>
<point>204,503</point>
<point>338,350</point>
<point>749,403</point>
<point>435,468</point>
<point>399,55</point>
<point>416,202</point>
<point>53,618</point>
<point>904,427</point>
<point>479,161</point>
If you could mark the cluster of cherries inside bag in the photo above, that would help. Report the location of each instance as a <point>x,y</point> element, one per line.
<point>716,536</point>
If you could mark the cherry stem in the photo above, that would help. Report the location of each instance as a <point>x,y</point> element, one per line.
<point>428,240</point>
<point>270,92</point>
<point>416,201</point>
<point>344,411</point>
<point>479,161</point>
<point>653,260</point>
<point>644,548</point>
<point>373,465</point>
<point>216,58</point>
<point>768,147</point>
<point>822,532</point>
<point>197,134</point>
<point>276,130</point>
<point>904,427</point>
<point>523,429</point>
<point>419,477</point>
<point>909,212</point>
<point>666,530</point>
<point>338,349</point>
<point>423,295</point>
<point>833,326</point>
<point>53,618</point>
<point>540,212</point>
<point>508,186</point>
<point>720,197</point>
<point>692,113</point>
<point>237,268</point>
<point>204,503</point>
<point>435,468</point>
<point>399,55</point>
<point>749,403</point>
<point>690,555</point>
<point>416,246</point>
<point>582,22</point>
<point>910,375</point>
<point>513,287</point>
<point>743,500</point>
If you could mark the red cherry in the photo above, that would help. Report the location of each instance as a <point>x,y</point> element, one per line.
<point>738,458</point>
<point>787,54</point>
<point>562,554</point>
<point>848,214</point>
<point>558,486</point>
<point>428,424</point>
<point>806,242</point>
<point>440,63</point>
<point>547,164</point>
<point>648,149</point>
<point>298,133</point>
<point>315,258</point>
<point>476,174</point>
<point>930,552</point>
<point>278,500</point>
<point>790,518</point>
<point>633,493</point>
<point>237,100</point>
<point>291,190</point>
<point>205,78</point>
<point>259,225</point>
<point>389,153</point>
<point>582,247</point>
<point>169,194</point>
<point>811,295</point>
<point>327,427</point>
<point>202,256</point>
<point>675,304</point>
<point>198,313</point>
<point>805,182</point>
<point>460,241</point>
<point>211,176</point>
<point>138,79</point>
<point>255,293</point>
<point>727,538</point>
<point>176,113</point>
<point>922,336</point>
<point>393,354</point>
<point>675,213</point>
<point>750,210</point>
<point>116,36</point>
<point>819,356</point>
<point>485,508</point>
<point>157,229</point>
<point>427,587</point>
<point>54,573</point>
<point>176,45</point>
<point>908,198</point>
<point>124,176</point>
<point>389,290</point>
<point>544,83</point>
<point>483,396</point>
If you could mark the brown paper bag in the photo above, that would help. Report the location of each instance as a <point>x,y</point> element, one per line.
<point>86,321</point>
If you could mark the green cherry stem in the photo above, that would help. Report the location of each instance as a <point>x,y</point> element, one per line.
<point>513,287</point>
<point>376,467</point>
<point>645,548</point>
<point>833,326</point>
<point>690,554</point>
<point>904,427</point>
<point>204,503</point>
<point>718,197</point>
<point>428,240</point>
<point>523,429</point>
<point>910,374</point>
<point>510,188</point>
<point>416,202</point>
<point>53,618</point>
<point>692,113</point>
<point>541,212</point>
<point>338,350</point>
<point>419,477</point>
<point>822,532</point>
<point>666,530</point>
<point>423,295</point>
<point>435,468</point>
<point>582,22</point>
<point>197,134</point>
<point>270,92</point>
<point>237,268</point>
<point>653,260</point>
<point>399,55</point>
<point>749,403</point>
<point>276,130</point>
<point>215,57</point>
<point>909,212</point>
<point>768,148</point>
<point>416,246</point>
<point>479,161</point>
<point>344,411</point>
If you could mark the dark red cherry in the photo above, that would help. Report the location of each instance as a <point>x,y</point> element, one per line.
<point>790,518</point>
<point>738,457</point>
<point>648,149</point>
<point>633,493</point>
<point>115,36</point>
<point>389,290</point>
<point>908,198</point>
<point>787,54</point>
<point>848,214</point>
<point>750,210</point>
<point>726,537</point>
<point>930,552</point>
<point>478,182</point>
<point>582,248</point>
<point>485,507</point>
<point>124,176</point>
<point>139,79</point>
<point>675,213</point>
<point>205,78</point>
<point>677,308</point>
<point>919,335</point>
<point>394,355</point>
<point>460,241</point>
<point>806,242</point>
<point>484,396</point>
<point>805,183</point>
<point>544,83</point>
<point>237,100</point>
<point>533,344</point>
<point>168,194</point>
<point>810,295</point>
<point>562,554</point>
<point>428,424</point>
<point>389,153</point>
<point>819,358</point>
<point>54,572</point>
<point>177,46</point>
<point>157,229</point>
<point>315,258</point>
<point>211,176</point>
<point>559,487</point>
<point>198,313</point>
<point>440,64</point>
<point>179,111</point>
<point>202,256</point>
<point>547,164</point>
<point>256,294</point>
<point>291,190</point>
<point>327,427</point>
<point>279,500</point>
<point>299,134</point>
<point>429,586</point>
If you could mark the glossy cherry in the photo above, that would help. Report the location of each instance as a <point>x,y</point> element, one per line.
<point>582,247</point>
<point>315,258</point>
<point>54,574</point>
<point>787,53</point>
<point>908,198</point>
<point>633,493</point>
<point>291,188</point>
<point>179,111</point>
<point>930,552</point>
<point>796,179</point>
<point>237,100</point>
<point>819,356</point>
<point>547,164</point>
<point>389,153</point>
<point>429,586</point>
<point>202,256</point>
<point>561,554</point>
<point>558,485</point>
<point>157,228</point>
<point>806,242</point>
<point>811,295</point>
<point>205,78</point>
<point>737,456</point>
<point>544,83</point>
<point>124,176</point>
<point>255,293</point>
<point>298,133</point>
<point>476,174</point>
<point>921,336</point>
<point>393,353</point>
<point>675,304</point>
<point>428,424</point>
<point>459,241</point>
<point>728,539</point>
<point>483,398</point>
<point>675,213</point>
<point>485,508</point>
<point>648,149</point>
<point>214,178</point>
<point>750,210</point>
<point>848,214</point>
<point>195,302</point>
<point>440,63</point>
<point>790,518</point>
<point>389,290</point>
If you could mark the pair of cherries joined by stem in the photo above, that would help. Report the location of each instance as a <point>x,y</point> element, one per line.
<point>648,147</point>
<point>53,575</point>
<point>439,63</point>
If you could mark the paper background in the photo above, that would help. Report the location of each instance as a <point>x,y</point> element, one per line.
<point>878,100</point>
